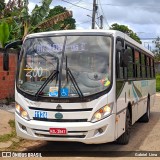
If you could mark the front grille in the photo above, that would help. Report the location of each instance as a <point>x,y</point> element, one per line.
<point>61,110</point>
<point>59,120</point>
<point>60,136</point>
<point>70,134</point>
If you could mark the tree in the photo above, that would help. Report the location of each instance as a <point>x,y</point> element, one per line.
<point>68,23</point>
<point>4,33</point>
<point>156,51</point>
<point>21,22</point>
<point>41,18</point>
<point>10,15</point>
<point>2,6</point>
<point>126,30</point>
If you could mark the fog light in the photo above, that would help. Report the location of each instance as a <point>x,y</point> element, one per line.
<point>100,130</point>
<point>24,128</point>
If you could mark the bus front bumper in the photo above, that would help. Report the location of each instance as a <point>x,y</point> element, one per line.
<point>86,132</point>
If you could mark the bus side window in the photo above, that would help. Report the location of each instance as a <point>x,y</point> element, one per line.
<point>119,69</point>
<point>148,66</point>
<point>137,64</point>
<point>154,74</point>
<point>143,65</point>
<point>131,69</point>
<point>151,68</point>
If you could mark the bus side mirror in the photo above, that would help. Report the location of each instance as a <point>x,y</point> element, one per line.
<point>124,57</point>
<point>6,55</point>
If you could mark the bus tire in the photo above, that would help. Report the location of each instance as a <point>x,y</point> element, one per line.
<point>146,116</point>
<point>124,138</point>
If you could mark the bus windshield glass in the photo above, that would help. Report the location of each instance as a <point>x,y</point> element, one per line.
<point>65,66</point>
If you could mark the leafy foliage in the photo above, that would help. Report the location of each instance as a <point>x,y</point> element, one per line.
<point>157,50</point>
<point>12,8</point>
<point>2,5</point>
<point>39,12</point>
<point>69,22</point>
<point>158,82</point>
<point>39,15</point>
<point>126,30</point>
<point>21,22</point>
<point>10,15</point>
<point>4,33</point>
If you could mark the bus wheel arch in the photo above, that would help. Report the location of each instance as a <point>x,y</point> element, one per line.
<point>145,118</point>
<point>124,138</point>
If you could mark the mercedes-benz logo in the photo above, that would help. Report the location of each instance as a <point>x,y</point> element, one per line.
<point>59,106</point>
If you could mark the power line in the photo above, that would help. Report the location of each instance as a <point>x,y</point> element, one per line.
<point>76,5</point>
<point>103,13</point>
<point>150,38</point>
<point>116,5</point>
<point>139,6</point>
<point>82,22</point>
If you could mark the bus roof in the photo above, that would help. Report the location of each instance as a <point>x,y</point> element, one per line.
<point>110,32</point>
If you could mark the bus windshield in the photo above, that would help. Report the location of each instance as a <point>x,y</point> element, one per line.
<point>65,66</point>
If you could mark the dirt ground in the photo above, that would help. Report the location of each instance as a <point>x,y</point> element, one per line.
<point>4,118</point>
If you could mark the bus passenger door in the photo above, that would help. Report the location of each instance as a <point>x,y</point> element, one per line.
<point>121,88</point>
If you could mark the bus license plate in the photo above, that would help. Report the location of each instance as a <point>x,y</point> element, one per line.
<point>61,131</point>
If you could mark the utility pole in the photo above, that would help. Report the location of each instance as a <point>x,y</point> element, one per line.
<point>101,22</point>
<point>94,14</point>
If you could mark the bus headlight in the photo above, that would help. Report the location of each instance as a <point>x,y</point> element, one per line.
<point>23,113</point>
<point>102,113</point>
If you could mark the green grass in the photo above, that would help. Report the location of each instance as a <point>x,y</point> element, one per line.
<point>158,82</point>
<point>7,137</point>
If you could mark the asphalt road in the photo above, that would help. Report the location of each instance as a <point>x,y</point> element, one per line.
<point>144,137</point>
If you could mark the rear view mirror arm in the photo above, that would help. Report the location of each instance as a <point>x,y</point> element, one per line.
<point>6,56</point>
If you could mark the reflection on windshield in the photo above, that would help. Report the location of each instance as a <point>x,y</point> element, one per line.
<point>88,59</point>
<point>72,78</point>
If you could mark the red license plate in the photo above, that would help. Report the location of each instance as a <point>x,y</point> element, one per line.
<point>60,131</point>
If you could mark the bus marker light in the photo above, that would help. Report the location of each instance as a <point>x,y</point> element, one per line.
<point>101,111</point>
<point>117,119</point>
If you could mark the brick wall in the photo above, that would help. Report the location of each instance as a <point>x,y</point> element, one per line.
<point>7,78</point>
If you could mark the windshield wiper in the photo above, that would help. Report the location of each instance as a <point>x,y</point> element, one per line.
<point>73,80</point>
<point>51,77</point>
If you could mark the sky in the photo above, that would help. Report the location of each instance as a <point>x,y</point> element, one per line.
<point>142,16</point>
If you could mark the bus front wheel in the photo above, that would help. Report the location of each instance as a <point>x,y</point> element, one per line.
<point>124,138</point>
<point>146,116</point>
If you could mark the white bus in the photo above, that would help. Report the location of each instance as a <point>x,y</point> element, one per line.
<point>87,86</point>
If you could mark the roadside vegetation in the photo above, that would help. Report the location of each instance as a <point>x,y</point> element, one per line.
<point>16,21</point>
<point>158,82</point>
<point>12,137</point>
<point>7,137</point>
